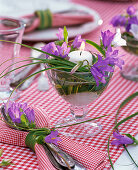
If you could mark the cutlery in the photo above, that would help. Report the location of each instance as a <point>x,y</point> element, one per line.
<point>29,81</point>
<point>24,73</point>
<point>52,152</point>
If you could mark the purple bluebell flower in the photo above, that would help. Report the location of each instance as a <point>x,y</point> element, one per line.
<point>60,34</point>
<point>15,111</point>
<point>30,115</point>
<point>63,50</point>
<point>132,20</point>
<point>121,139</point>
<point>131,10</point>
<point>107,38</point>
<point>118,20</point>
<point>53,138</point>
<point>114,59</point>
<point>15,116</point>
<point>99,69</point>
<point>50,48</point>
<point>77,41</point>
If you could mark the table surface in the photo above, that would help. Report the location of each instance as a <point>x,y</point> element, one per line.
<point>108,102</point>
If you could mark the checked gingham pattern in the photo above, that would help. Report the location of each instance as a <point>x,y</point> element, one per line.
<point>89,156</point>
<point>56,108</point>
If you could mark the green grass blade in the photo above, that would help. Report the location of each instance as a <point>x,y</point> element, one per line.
<point>82,122</point>
<point>13,65</point>
<point>119,123</point>
<point>57,57</point>
<point>35,74</point>
<point>124,120</point>
<point>19,68</point>
<point>124,103</point>
<point>110,160</point>
<point>96,46</point>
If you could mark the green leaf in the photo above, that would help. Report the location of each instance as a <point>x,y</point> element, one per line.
<point>40,129</point>
<point>40,140</point>
<point>24,120</point>
<point>100,49</point>
<point>132,137</point>
<point>32,125</point>
<point>94,59</point>
<point>6,162</point>
<point>1,152</point>
<point>45,133</point>
<point>59,42</point>
<point>30,140</point>
<point>65,34</point>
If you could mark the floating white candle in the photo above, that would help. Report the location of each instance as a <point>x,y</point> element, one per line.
<point>76,56</point>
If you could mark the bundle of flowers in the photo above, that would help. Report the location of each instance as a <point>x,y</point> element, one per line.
<point>69,61</point>
<point>128,22</point>
<point>72,54</point>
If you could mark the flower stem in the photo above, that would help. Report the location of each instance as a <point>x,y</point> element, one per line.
<point>130,155</point>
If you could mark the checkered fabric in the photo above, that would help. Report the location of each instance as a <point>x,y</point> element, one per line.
<point>90,157</point>
<point>52,104</point>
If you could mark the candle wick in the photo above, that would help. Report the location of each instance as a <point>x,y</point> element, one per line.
<point>80,53</point>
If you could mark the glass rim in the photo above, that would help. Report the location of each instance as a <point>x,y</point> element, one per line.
<point>21,22</point>
<point>72,73</point>
<point>62,71</point>
<point>129,38</point>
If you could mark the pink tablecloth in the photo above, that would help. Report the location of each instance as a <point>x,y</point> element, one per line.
<point>56,107</point>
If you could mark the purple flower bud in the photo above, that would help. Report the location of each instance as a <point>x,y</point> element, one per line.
<point>77,41</point>
<point>107,38</point>
<point>30,115</point>
<point>131,10</point>
<point>60,34</point>
<point>63,50</point>
<point>15,112</point>
<point>50,48</point>
<point>118,20</point>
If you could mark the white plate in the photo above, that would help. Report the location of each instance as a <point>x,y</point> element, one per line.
<point>21,8</point>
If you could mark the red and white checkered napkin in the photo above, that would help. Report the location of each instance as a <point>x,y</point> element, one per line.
<point>88,156</point>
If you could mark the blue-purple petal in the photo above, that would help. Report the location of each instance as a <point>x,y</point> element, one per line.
<point>116,142</point>
<point>117,135</point>
<point>126,140</point>
<point>131,10</point>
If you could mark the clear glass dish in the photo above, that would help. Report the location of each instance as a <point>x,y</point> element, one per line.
<point>130,72</point>
<point>79,89</point>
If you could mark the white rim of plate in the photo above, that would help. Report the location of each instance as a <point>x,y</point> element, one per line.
<point>82,29</point>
